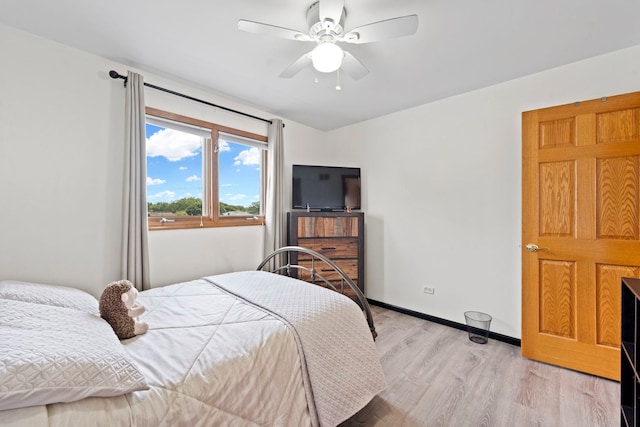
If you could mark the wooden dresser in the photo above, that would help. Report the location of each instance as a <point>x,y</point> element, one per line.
<point>337,235</point>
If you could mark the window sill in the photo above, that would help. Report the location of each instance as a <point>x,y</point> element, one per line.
<point>154,224</point>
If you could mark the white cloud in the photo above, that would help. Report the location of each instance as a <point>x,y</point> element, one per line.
<point>192,178</point>
<point>226,185</point>
<point>173,145</point>
<point>237,197</point>
<point>167,195</point>
<point>223,146</point>
<point>183,168</point>
<point>155,181</point>
<point>248,157</point>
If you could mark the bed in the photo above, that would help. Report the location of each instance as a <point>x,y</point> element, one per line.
<point>250,348</point>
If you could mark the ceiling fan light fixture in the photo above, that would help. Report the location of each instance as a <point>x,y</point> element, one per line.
<point>327,57</point>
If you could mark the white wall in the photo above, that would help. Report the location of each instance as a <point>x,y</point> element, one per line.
<point>61,154</point>
<point>442,189</point>
<point>59,121</point>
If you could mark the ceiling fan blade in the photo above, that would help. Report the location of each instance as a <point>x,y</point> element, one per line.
<point>382,30</point>
<point>296,66</point>
<point>353,67</point>
<point>271,30</point>
<point>331,10</point>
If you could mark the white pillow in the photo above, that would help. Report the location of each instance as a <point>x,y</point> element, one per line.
<point>51,354</point>
<point>39,293</point>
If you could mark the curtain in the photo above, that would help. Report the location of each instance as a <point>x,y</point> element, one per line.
<point>135,246</point>
<point>275,235</point>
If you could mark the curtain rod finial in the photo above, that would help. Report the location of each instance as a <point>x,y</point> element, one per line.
<point>116,75</point>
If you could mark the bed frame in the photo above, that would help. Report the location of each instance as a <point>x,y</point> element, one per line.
<point>280,262</point>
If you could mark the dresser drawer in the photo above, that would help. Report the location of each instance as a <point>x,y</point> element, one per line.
<point>319,226</point>
<point>349,266</point>
<point>336,248</point>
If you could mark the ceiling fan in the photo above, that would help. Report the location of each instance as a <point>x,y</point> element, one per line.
<point>326,28</point>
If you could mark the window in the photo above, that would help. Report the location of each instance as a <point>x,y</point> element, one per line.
<point>201,174</point>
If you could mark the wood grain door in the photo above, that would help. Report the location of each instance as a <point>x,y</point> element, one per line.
<point>581,205</point>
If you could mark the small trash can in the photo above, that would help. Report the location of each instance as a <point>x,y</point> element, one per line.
<point>478,326</point>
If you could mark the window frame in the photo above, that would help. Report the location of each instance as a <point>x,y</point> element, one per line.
<point>210,180</point>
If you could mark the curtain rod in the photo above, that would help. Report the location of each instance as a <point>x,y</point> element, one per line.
<point>116,75</point>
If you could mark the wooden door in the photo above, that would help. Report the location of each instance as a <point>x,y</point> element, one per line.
<point>580,206</point>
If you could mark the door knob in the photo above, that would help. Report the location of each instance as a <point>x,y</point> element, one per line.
<point>532,247</point>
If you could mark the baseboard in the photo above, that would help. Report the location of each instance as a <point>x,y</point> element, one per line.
<point>463,327</point>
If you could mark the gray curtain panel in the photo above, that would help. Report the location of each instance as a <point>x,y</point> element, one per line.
<point>275,235</point>
<point>135,246</point>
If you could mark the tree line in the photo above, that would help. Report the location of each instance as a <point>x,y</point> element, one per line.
<point>192,206</point>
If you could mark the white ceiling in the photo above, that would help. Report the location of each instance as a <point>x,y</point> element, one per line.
<point>460,45</point>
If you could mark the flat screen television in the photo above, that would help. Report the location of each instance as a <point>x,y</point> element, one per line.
<point>325,188</point>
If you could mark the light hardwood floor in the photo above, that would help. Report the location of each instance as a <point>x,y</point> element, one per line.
<point>437,377</point>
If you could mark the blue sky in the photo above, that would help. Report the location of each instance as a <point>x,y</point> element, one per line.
<point>174,168</point>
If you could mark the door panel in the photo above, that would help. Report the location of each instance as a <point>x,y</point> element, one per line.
<point>558,298</point>
<point>608,302</point>
<point>557,198</point>
<point>617,199</point>
<point>581,204</point>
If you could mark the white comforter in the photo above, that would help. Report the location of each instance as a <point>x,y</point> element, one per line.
<point>212,358</point>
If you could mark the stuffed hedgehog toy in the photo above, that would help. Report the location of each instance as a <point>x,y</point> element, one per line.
<point>118,307</point>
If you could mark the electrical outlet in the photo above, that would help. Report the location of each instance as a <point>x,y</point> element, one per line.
<point>429,290</point>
